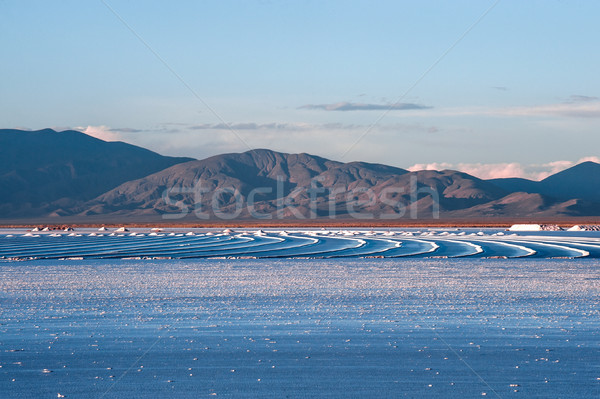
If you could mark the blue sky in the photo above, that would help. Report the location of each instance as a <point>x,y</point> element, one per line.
<point>392,82</point>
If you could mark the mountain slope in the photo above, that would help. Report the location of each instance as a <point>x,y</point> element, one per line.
<point>48,173</point>
<point>580,181</point>
<point>516,184</point>
<point>305,185</point>
<point>44,171</point>
<point>273,172</point>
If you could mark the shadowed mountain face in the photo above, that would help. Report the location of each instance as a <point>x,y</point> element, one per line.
<point>46,171</point>
<point>260,176</point>
<point>301,186</point>
<point>580,182</point>
<point>69,173</point>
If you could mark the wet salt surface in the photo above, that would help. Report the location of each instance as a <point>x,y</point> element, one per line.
<point>300,328</point>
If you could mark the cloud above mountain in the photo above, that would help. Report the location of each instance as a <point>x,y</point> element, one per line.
<point>100,132</point>
<point>505,170</point>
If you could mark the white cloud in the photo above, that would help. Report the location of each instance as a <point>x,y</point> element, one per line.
<point>589,159</point>
<point>505,170</point>
<point>573,109</point>
<point>588,109</point>
<point>100,132</point>
<point>483,171</point>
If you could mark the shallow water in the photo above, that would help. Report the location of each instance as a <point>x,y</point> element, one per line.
<point>344,327</point>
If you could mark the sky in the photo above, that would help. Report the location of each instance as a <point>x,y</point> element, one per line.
<point>494,88</point>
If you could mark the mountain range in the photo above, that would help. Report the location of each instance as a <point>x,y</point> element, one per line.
<point>70,174</point>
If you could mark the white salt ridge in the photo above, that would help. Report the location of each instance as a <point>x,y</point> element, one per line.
<point>300,243</point>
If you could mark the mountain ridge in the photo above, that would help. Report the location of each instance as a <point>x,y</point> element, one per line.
<point>43,171</point>
<point>87,177</point>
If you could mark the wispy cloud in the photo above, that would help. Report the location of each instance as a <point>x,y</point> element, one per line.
<point>577,98</point>
<point>264,130</point>
<point>580,109</point>
<point>348,106</point>
<point>262,126</point>
<point>125,130</point>
<point>575,107</point>
<point>303,126</point>
<point>505,170</point>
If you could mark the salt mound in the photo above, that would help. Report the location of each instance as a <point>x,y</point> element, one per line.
<point>585,227</point>
<point>534,227</point>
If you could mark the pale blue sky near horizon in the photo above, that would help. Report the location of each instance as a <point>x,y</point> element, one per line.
<point>518,90</point>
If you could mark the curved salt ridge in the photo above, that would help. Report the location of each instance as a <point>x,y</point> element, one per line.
<point>182,249</point>
<point>164,242</point>
<point>114,249</point>
<point>447,248</point>
<point>371,247</point>
<point>96,250</point>
<point>301,243</point>
<point>127,247</point>
<point>477,248</point>
<point>392,253</point>
<point>290,242</point>
<point>361,243</point>
<point>594,246</point>
<point>114,241</point>
<point>241,250</point>
<point>321,246</point>
<point>528,251</point>
<point>187,250</point>
<point>328,247</point>
<point>582,253</point>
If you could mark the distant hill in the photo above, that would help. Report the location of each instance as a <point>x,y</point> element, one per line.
<point>515,184</point>
<point>288,174</point>
<point>53,174</point>
<point>300,176</point>
<point>45,171</point>
<point>581,182</point>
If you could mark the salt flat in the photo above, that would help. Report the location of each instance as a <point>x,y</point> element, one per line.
<point>345,327</point>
